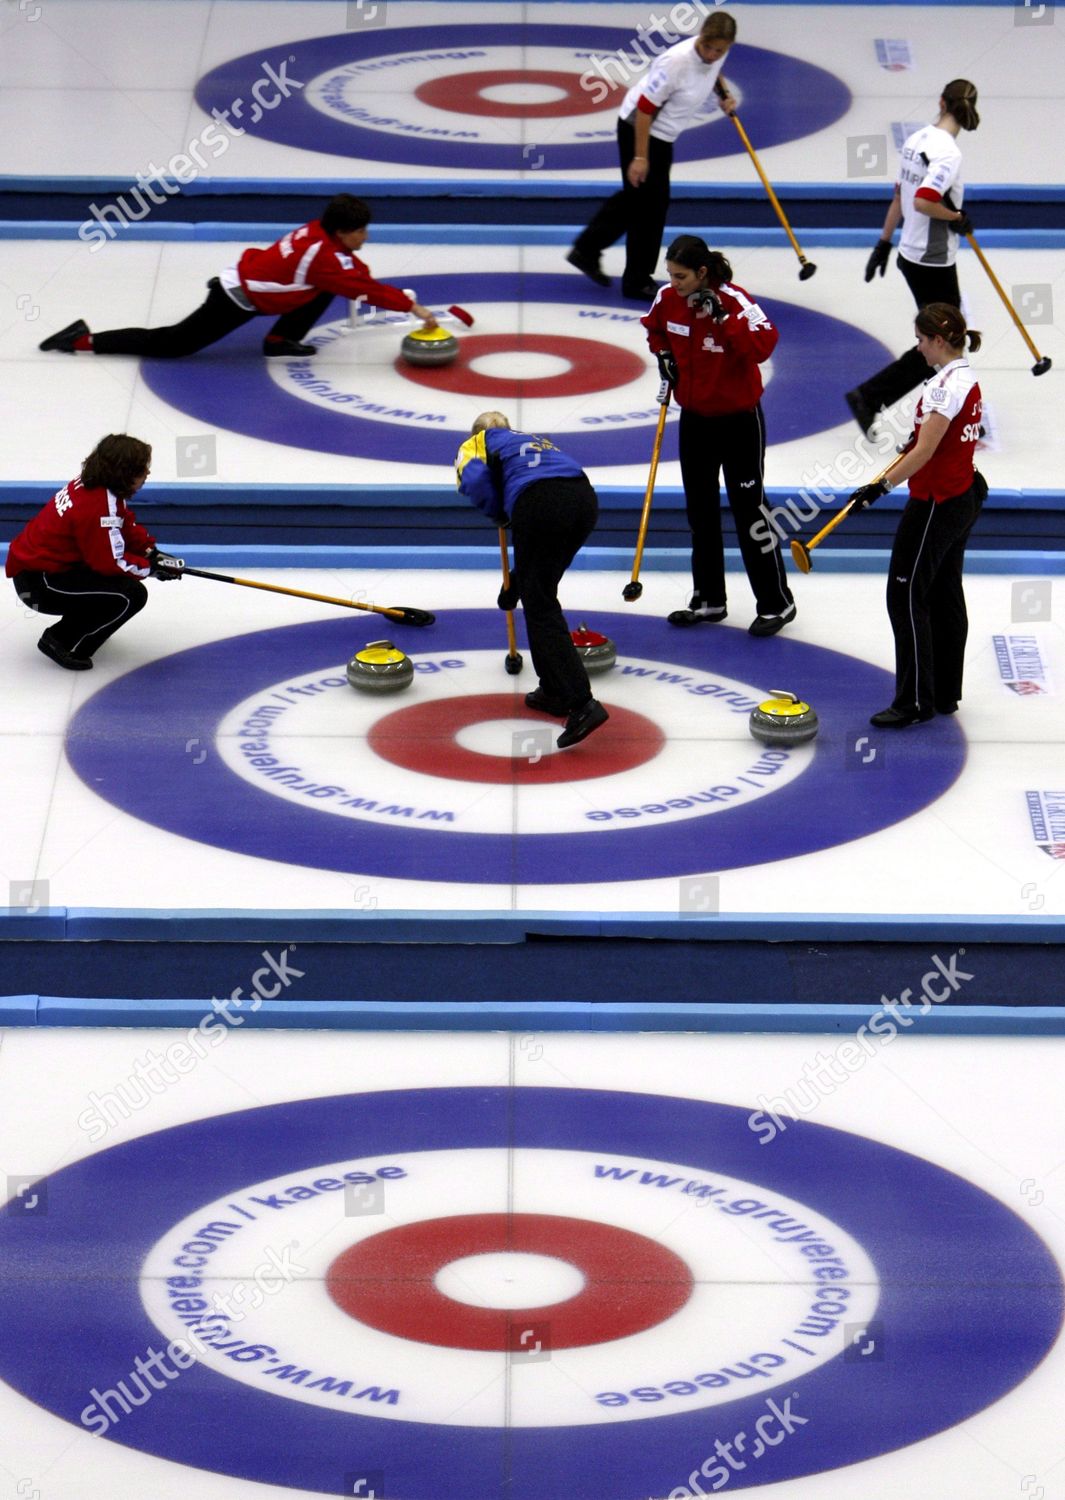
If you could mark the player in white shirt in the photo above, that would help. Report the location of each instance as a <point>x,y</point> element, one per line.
<point>928,199</point>
<point>654,112</point>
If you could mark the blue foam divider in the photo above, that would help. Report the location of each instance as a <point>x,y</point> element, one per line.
<point>548,234</point>
<point>534,1016</point>
<point>1026,564</point>
<point>510,927</point>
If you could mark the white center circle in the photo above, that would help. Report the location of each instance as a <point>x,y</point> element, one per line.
<point>509,1278</point>
<point>513,738</point>
<point>522,93</point>
<point>520,364</point>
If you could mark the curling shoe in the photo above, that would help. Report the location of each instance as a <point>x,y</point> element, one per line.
<point>542,703</point>
<point>901,718</point>
<point>770,624</point>
<point>864,414</point>
<point>698,613</point>
<point>582,722</point>
<point>63,341</point>
<point>287,348</point>
<point>589,266</point>
<point>61,656</point>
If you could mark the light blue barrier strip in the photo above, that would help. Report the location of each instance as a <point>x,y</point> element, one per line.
<point>533,1016</point>
<point>589,559</point>
<point>445,497</point>
<point>502,927</point>
<point>506,234</point>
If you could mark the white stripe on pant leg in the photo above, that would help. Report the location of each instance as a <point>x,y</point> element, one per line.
<point>90,594</point>
<point>913,627</point>
<point>782,577</point>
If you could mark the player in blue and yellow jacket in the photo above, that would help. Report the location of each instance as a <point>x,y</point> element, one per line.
<point>523,480</point>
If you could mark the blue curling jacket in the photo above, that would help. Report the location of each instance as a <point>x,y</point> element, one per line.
<point>493,467</point>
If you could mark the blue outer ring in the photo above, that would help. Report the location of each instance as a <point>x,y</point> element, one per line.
<point>963,1326</point>
<point>785,98</point>
<point>240,394</point>
<point>128,744</point>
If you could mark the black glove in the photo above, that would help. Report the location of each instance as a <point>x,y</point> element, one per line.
<point>510,595</point>
<point>164,566</point>
<point>962,225</point>
<point>667,366</point>
<point>878,260</point>
<point>866,494</point>
<point>707,298</point>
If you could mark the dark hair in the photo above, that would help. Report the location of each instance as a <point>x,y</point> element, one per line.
<point>344,213</point>
<point>959,100</point>
<point>115,464</point>
<point>719,26</point>
<point>940,318</point>
<point>690,251</point>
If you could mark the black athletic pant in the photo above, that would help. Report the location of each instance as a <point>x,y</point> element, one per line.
<point>552,520</point>
<point>216,317</point>
<point>928,284</point>
<point>926,602</point>
<point>638,213</point>
<point>92,605</point>
<point>735,443</point>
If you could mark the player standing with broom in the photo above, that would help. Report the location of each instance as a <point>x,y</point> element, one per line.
<point>710,338</point>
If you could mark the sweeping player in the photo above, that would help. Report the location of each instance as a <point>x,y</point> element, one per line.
<point>925,599</point>
<point>83,555</point>
<point>653,114</point>
<point>523,480</point>
<point>293,281</point>
<point>709,338</point>
<point>928,199</point>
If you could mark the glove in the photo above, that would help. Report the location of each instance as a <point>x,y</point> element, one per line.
<point>667,366</point>
<point>164,566</point>
<point>510,596</point>
<point>962,226</point>
<point>707,298</point>
<point>866,494</point>
<point>878,260</point>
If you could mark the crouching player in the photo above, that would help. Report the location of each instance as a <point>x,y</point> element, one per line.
<point>83,555</point>
<point>525,482</point>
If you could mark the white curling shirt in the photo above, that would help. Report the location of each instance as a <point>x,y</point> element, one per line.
<point>678,84</point>
<point>930,168</point>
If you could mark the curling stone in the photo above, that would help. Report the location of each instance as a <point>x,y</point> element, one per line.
<point>597,652</point>
<point>380,668</point>
<point>430,346</point>
<point>783,720</point>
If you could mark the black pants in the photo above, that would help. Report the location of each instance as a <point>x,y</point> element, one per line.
<point>92,605</point>
<point>926,602</point>
<point>216,317</point>
<point>638,213</point>
<point>552,520</point>
<point>735,443</point>
<point>928,284</point>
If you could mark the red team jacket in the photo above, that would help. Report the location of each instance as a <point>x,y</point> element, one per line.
<point>717,363</point>
<point>80,526</point>
<point>953,392</point>
<point>307,261</point>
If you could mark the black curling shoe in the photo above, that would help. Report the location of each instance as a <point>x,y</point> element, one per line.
<point>899,718</point>
<point>582,722</point>
<point>62,656</point>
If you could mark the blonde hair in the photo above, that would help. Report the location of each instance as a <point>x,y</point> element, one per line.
<point>488,419</point>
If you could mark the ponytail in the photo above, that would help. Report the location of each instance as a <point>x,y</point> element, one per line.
<point>959,100</point>
<point>693,253</point>
<point>942,320</point>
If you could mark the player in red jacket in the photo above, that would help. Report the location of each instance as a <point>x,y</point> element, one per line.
<point>83,555</point>
<point>709,338</point>
<point>293,280</point>
<point>925,599</point>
